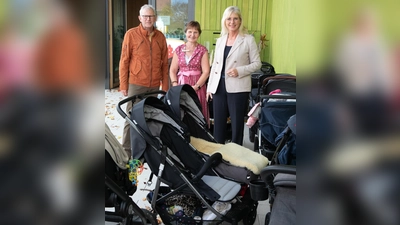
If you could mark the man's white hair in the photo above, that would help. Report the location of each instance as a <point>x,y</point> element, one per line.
<point>144,7</point>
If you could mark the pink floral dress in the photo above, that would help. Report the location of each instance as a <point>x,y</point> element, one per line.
<point>189,73</point>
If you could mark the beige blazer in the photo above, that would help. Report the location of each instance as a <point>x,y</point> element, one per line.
<point>243,56</point>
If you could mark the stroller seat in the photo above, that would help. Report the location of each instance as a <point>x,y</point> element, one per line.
<point>225,188</point>
<point>284,207</point>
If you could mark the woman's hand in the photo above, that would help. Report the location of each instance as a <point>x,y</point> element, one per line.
<point>209,96</point>
<point>232,72</point>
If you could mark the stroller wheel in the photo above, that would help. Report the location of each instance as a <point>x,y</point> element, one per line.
<point>151,217</point>
<point>250,218</point>
<point>267,217</point>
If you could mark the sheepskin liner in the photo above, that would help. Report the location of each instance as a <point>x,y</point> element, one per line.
<point>233,153</point>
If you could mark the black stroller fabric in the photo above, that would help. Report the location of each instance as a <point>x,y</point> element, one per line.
<point>173,134</point>
<point>184,102</point>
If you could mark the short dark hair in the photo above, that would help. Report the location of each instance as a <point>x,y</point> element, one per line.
<point>193,24</point>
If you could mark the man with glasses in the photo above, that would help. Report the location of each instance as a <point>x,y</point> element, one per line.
<point>143,66</point>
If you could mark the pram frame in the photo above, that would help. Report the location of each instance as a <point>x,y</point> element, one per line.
<point>162,150</point>
<point>127,209</point>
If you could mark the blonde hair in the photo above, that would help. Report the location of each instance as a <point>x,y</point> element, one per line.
<point>228,11</point>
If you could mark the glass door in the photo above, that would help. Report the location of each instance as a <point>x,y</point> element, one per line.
<point>118,27</point>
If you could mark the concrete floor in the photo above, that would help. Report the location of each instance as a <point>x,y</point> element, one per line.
<point>116,122</point>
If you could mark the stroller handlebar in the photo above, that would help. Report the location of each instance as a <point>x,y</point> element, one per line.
<point>213,160</point>
<point>134,98</point>
<point>266,171</point>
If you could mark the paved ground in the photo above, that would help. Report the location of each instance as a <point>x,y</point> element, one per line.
<point>116,123</point>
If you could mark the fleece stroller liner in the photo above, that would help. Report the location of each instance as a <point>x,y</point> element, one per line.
<point>164,143</point>
<point>239,163</point>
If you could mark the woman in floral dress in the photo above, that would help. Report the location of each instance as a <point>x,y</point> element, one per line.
<point>190,65</point>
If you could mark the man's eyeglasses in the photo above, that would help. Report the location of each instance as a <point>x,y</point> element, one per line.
<point>148,16</point>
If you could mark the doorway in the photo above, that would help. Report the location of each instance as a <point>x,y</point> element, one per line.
<point>123,15</point>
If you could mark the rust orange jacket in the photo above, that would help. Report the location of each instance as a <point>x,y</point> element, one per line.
<point>144,62</point>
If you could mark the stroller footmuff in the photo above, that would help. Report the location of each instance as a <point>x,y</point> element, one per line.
<point>163,141</point>
<point>118,187</point>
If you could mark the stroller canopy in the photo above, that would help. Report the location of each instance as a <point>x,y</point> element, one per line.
<point>184,96</point>
<point>185,104</point>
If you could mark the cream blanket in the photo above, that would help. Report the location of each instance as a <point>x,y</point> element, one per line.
<point>234,154</point>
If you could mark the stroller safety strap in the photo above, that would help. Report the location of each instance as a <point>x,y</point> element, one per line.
<point>225,188</point>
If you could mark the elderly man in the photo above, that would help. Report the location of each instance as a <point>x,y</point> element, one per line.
<point>143,66</point>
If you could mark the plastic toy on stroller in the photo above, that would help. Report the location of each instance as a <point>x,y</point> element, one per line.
<point>118,187</point>
<point>164,142</point>
<point>276,105</point>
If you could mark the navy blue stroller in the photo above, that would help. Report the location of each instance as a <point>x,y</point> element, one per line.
<point>275,111</point>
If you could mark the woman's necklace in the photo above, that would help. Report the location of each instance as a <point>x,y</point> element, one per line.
<point>186,49</point>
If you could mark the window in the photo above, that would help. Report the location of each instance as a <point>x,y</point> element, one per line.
<point>173,15</point>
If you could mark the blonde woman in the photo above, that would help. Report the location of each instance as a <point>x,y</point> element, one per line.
<point>236,58</point>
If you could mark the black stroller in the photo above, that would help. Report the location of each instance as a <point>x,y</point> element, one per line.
<point>164,142</point>
<point>185,104</point>
<point>118,187</point>
<point>257,79</point>
<point>277,105</point>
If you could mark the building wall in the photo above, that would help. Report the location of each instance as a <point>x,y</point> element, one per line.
<point>283,36</point>
<point>274,18</point>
